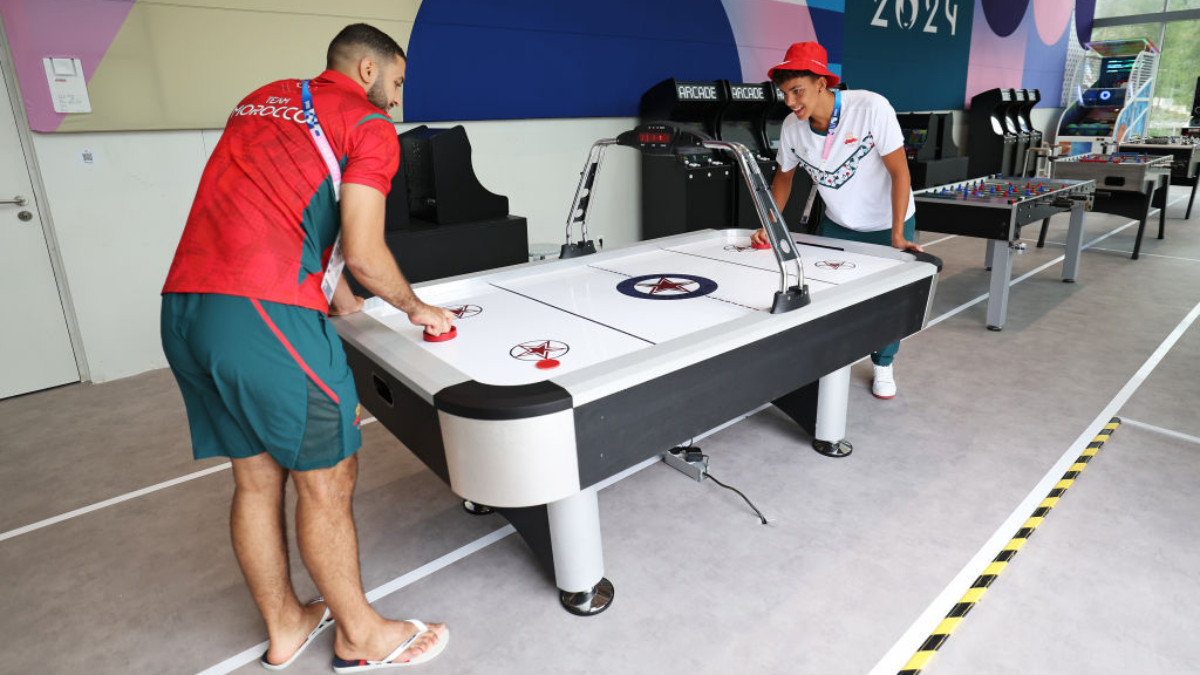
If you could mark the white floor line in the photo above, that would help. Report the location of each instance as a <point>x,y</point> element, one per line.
<point>110,502</point>
<point>1165,432</point>
<point>938,241</point>
<point>125,497</point>
<point>253,653</point>
<point>1143,254</point>
<point>1023,277</point>
<point>908,644</point>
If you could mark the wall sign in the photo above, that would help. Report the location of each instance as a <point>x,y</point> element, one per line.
<point>931,15</point>
<point>914,52</point>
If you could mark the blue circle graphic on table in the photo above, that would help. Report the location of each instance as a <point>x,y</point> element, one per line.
<point>667,286</point>
<point>1105,95</point>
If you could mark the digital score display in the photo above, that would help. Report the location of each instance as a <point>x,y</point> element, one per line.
<point>654,137</point>
<point>658,138</point>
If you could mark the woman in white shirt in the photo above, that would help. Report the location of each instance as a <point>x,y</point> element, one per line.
<point>851,145</point>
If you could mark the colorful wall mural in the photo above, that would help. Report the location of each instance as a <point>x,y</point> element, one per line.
<point>183,64</point>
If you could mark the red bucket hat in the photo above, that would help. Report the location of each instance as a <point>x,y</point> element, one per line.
<point>808,56</point>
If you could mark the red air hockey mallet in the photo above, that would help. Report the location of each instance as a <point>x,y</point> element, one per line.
<point>760,245</point>
<point>448,335</point>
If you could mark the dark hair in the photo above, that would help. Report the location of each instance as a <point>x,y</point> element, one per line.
<point>779,76</point>
<point>360,37</point>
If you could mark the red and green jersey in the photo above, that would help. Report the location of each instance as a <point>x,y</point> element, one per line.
<point>265,215</point>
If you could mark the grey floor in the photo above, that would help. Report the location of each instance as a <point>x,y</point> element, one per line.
<point>143,580</point>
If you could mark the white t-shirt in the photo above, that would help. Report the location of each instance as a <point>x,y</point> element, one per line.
<point>853,182</point>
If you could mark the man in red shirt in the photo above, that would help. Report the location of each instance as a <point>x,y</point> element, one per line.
<point>261,370</point>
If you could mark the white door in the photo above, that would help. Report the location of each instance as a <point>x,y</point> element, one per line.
<point>35,348</point>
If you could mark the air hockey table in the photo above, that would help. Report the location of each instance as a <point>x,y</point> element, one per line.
<point>566,372</point>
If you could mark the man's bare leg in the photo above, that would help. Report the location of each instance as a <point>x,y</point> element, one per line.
<point>329,545</point>
<point>259,534</point>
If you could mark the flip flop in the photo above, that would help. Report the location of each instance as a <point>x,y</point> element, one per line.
<point>325,622</point>
<point>341,665</point>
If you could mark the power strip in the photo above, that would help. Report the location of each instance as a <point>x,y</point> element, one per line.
<point>689,461</point>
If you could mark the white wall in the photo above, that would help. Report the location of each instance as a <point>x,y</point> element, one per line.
<point>117,222</point>
<point>119,219</point>
<point>536,164</point>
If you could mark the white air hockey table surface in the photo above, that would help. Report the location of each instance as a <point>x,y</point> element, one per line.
<point>607,307</point>
<point>648,345</point>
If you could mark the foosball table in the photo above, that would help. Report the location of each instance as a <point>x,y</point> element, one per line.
<point>1127,184</point>
<point>996,209</point>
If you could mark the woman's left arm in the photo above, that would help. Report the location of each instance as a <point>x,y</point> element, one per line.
<point>897,166</point>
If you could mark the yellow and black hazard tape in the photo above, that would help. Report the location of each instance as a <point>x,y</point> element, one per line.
<point>942,633</point>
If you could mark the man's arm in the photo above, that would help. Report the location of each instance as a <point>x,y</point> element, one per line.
<point>372,264</point>
<point>344,300</point>
<point>896,164</point>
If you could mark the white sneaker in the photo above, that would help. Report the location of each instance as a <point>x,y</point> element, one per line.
<point>884,385</point>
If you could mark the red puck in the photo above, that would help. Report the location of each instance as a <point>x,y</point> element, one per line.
<point>760,246</point>
<point>547,364</point>
<point>448,335</point>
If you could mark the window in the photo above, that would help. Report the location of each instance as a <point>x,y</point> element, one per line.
<point>1178,68</point>
<point>1178,39</point>
<point>1107,8</point>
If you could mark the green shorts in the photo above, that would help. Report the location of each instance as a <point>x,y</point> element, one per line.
<point>258,376</point>
<point>883,237</point>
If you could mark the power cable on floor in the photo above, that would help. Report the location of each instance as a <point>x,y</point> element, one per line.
<point>690,461</point>
<point>739,492</point>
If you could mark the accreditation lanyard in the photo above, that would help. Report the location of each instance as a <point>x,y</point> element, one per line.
<point>333,271</point>
<point>833,122</point>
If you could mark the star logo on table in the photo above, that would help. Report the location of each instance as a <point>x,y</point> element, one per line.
<point>464,311</point>
<point>835,264</point>
<point>539,350</point>
<point>666,285</point>
<point>738,249</point>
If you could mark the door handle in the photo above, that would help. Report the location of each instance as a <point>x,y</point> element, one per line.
<point>18,201</point>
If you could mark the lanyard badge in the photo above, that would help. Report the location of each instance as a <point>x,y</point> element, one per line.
<point>333,271</point>
<point>833,122</point>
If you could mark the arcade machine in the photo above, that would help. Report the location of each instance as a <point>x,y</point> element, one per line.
<point>1192,130</point>
<point>745,120</point>
<point>440,220</point>
<point>1012,122</point>
<point>681,193</point>
<point>1111,92</point>
<point>933,157</point>
<point>991,145</point>
<point>1024,122</point>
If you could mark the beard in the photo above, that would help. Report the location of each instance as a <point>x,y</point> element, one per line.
<point>377,96</point>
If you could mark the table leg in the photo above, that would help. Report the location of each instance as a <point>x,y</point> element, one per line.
<point>578,554</point>
<point>1074,244</point>
<point>1195,182</point>
<point>987,255</point>
<point>833,398</point>
<point>1160,200</point>
<point>1137,241</point>
<point>1000,257</point>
